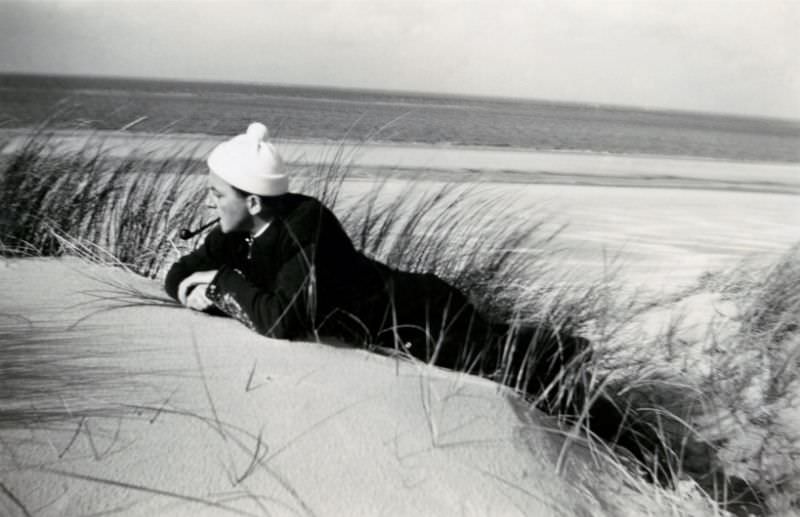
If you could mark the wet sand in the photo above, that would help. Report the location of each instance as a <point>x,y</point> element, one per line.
<point>462,162</point>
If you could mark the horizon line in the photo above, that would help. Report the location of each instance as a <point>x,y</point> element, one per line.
<point>427,93</point>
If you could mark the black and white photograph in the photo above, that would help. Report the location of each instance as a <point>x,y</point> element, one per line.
<point>400,258</point>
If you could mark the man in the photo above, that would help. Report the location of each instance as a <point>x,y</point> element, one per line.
<point>282,264</point>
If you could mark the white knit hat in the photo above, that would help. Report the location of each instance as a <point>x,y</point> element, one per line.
<point>250,163</point>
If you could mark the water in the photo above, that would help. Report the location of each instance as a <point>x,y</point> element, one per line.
<point>335,114</point>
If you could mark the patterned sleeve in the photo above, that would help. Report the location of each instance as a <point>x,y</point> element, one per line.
<point>226,301</point>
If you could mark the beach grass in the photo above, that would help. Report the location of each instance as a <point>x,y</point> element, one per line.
<point>727,427</point>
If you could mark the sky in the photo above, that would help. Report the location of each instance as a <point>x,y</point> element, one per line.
<point>726,56</point>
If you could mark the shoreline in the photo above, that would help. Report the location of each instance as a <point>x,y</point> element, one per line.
<point>507,165</point>
<point>205,138</point>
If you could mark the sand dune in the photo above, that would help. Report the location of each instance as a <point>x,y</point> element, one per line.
<point>204,417</point>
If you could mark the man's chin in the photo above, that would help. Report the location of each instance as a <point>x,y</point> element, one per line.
<point>230,229</point>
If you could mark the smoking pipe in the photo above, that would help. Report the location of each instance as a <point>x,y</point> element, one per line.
<point>187,234</point>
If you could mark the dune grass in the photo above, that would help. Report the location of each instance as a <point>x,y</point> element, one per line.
<point>756,382</point>
<point>123,206</point>
<point>132,209</point>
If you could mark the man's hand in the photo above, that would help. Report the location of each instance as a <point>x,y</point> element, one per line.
<point>195,280</point>
<point>197,299</point>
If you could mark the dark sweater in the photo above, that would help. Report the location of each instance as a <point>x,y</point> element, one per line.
<point>301,276</point>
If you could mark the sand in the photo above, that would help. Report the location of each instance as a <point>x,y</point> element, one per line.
<point>205,417</point>
<point>337,431</point>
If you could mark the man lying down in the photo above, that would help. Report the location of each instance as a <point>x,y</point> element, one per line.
<point>281,263</point>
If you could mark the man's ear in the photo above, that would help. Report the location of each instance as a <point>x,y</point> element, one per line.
<point>253,204</point>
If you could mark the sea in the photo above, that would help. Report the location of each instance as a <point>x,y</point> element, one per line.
<point>336,115</point>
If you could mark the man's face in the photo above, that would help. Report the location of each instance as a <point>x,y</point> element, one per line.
<point>229,205</point>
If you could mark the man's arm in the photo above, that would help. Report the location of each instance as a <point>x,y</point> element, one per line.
<point>283,313</point>
<point>314,250</point>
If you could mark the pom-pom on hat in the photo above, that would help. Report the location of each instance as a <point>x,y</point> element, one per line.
<point>250,163</point>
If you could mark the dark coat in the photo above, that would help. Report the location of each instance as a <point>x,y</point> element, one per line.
<point>303,277</point>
